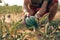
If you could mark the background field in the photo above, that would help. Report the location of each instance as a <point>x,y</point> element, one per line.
<point>11,29</point>
<point>13,9</point>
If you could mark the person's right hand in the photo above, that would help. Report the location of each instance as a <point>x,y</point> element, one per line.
<point>27,14</point>
<point>30,13</point>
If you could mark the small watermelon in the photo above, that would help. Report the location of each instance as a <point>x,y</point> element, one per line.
<point>31,21</point>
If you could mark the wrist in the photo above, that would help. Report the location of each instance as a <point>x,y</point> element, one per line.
<point>24,10</point>
<point>38,12</point>
<point>27,13</point>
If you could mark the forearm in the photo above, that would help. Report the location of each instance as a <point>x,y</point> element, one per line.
<point>27,10</point>
<point>53,11</point>
<point>26,7</point>
<point>43,8</point>
<point>44,4</point>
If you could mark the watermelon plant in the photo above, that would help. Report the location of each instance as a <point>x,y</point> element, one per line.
<point>51,31</point>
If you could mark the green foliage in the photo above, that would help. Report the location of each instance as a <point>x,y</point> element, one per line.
<point>10,9</point>
<point>59,7</point>
<point>0,1</point>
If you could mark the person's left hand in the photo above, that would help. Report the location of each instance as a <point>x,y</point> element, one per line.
<point>37,15</point>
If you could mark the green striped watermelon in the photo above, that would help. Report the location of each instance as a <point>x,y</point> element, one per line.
<point>31,21</point>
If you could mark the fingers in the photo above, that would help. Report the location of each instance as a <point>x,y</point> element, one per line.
<point>37,15</point>
<point>26,13</point>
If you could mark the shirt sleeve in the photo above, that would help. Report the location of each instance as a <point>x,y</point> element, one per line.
<point>55,1</point>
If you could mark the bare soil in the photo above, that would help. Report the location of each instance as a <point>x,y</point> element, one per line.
<point>57,16</point>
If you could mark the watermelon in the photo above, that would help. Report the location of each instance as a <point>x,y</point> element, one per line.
<point>31,21</point>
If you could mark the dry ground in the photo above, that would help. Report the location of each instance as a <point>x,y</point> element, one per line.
<point>57,15</point>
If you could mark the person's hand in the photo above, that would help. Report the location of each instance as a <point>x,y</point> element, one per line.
<point>29,13</point>
<point>40,13</point>
<point>37,15</point>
